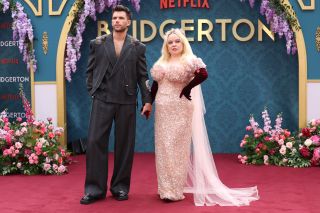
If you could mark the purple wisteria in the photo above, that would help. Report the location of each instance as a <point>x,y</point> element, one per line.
<point>5,4</point>
<point>88,9</point>
<point>22,32</point>
<point>278,23</point>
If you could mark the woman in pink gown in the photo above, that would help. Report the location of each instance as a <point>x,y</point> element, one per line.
<point>184,160</point>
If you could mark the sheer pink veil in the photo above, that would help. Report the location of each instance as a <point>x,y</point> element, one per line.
<point>203,180</point>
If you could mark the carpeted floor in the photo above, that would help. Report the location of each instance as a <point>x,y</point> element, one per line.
<point>281,190</point>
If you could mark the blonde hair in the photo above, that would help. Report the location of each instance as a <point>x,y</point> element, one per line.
<point>186,52</point>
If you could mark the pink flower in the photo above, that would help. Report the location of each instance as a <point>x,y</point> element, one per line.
<point>289,145</point>
<point>51,135</point>
<point>18,145</point>
<point>61,169</point>
<point>280,142</point>
<point>267,138</point>
<point>243,142</point>
<point>24,130</point>
<point>19,119</point>
<point>24,124</point>
<point>6,128</point>
<point>248,128</point>
<point>283,150</point>
<point>55,167</point>
<point>316,140</point>
<point>287,133</point>
<point>8,139</point>
<point>18,133</point>
<point>46,167</point>
<point>316,156</point>
<point>5,120</point>
<point>49,119</point>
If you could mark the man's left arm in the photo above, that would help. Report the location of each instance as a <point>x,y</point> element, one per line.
<point>143,80</point>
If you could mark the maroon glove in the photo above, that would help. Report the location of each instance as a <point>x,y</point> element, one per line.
<point>154,90</point>
<point>200,75</point>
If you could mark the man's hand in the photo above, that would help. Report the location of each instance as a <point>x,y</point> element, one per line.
<point>146,110</point>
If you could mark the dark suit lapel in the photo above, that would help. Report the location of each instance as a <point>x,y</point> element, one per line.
<point>123,54</point>
<point>110,50</point>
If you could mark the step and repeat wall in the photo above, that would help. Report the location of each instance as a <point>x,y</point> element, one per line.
<point>13,72</point>
<point>244,76</point>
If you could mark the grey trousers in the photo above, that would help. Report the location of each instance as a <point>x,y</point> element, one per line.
<point>102,116</point>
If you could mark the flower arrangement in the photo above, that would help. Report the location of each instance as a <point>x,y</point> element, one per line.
<point>85,9</point>
<point>30,147</point>
<point>281,18</point>
<point>277,146</point>
<point>22,31</point>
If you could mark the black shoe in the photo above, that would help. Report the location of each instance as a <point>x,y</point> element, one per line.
<point>88,199</point>
<point>121,195</point>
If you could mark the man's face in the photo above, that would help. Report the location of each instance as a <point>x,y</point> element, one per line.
<point>120,21</point>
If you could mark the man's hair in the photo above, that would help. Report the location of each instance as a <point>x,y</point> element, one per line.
<point>119,8</point>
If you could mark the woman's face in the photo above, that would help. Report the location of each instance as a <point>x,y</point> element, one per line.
<point>175,45</point>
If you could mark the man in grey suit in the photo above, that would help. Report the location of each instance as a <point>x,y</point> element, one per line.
<point>117,65</point>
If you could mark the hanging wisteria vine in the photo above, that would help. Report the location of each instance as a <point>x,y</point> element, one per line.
<point>86,9</point>
<point>22,31</point>
<point>278,15</point>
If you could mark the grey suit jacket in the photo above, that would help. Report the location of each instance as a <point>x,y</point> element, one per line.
<point>123,75</point>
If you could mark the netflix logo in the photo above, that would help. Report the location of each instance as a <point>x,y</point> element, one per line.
<point>9,97</point>
<point>9,61</point>
<point>166,4</point>
<point>5,25</point>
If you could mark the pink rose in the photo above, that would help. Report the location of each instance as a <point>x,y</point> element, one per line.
<point>19,119</point>
<point>248,128</point>
<point>316,140</point>
<point>51,135</point>
<point>46,167</point>
<point>18,145</point>
<point>267,138</point>
<point>61,169</point>
<point>49,119</point>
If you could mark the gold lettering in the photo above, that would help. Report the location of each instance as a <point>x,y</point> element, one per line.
<point>223,23</point>
<point>262,27</point>
<point>103,27</point>
<point>143,23</point>
<point>309,7</point>
<point>202,32</point>
<point>163,25</point>
<point>235,33</point>
<point>59,11</point>
<point>36,11</point>
<point>184,26</point>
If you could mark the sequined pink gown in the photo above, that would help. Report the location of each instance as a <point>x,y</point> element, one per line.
<point>173,127</point>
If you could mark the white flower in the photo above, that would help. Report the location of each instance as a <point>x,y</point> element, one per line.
<point>24,124</point>
<point>19,165</point>
<point>18,145</point>
<point>24,130</point>
<point>289,145</point>
<point>18,133</point>
<point>280,142</point>
<point>283,150</point>
<point>308,142</point>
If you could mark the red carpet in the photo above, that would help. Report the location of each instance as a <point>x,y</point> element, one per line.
<point>281,190</point>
